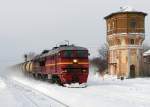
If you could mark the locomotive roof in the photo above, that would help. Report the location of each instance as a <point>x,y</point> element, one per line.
<point>61,48</point>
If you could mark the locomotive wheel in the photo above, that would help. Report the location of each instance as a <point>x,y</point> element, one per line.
<point>34,75</point>
<point>37,76</point>
<point>53,80</point>
<point>56,79</point>
<point>40,76</point>
<point>44,77</point>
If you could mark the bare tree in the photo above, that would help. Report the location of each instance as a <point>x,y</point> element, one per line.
<point>101,62</point>
<point>103,51</point>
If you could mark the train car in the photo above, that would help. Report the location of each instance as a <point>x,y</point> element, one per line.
<point>67,65</point>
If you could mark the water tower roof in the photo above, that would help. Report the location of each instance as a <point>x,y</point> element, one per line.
<point>126,10</point>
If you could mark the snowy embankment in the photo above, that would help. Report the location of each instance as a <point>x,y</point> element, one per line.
<point>16,90</point>
<point>108,92</point>
<point>15,94</point>
<point>6,98</point>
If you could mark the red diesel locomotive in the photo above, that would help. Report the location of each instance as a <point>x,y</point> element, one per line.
<point>64,65</point>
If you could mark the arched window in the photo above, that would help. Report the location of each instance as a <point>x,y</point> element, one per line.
<point>132,41</point>
<point>118,42</point>
<point>108,27</point>
<point>113,24</point>
<point>132,71</point>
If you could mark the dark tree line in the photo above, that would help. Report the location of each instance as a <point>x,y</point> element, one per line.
<point>101,61</point>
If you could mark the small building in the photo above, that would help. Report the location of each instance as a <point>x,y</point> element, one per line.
<point>125,35</point>
<point>146,56</point>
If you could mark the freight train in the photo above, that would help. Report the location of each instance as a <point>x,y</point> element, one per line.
<point>65,65</point>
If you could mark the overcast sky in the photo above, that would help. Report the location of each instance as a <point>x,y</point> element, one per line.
<point>34,25</point>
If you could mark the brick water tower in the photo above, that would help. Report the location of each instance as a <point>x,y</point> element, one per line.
<point>125,35</point>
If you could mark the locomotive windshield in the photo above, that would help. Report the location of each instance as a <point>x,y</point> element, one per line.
<point>75,53</point>
<point>68,53</point>
<point>82,54</point>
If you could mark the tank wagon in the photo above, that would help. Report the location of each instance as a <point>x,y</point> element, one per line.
<point>65,65</point>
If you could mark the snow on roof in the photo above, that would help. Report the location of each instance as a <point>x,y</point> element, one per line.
<point>127,9</point>
<point>146,53</point>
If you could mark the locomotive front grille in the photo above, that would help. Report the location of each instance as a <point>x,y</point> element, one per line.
<point>75,79</point>
<point>74,70</point>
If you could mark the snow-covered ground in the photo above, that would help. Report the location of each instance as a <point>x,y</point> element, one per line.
<point>15,94</point>
<point>19,91</point>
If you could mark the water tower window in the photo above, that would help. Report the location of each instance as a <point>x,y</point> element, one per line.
<point>113,24</point>
<point>108,27</point>
<point>133,23</point>
<point>145,60</point>
<point>132,41</point>
<point>118,42</point>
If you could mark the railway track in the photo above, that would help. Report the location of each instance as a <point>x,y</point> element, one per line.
<point>31,95</point>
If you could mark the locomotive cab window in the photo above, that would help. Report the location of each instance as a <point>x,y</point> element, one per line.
<point>68,53</point>
<point>74,54</point>
<point>82,54</point>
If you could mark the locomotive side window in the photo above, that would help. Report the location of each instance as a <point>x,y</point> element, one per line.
<point>82,54</point>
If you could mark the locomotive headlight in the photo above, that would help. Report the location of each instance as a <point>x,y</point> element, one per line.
<point>65,70</point>
<point>84,70</point>
<point>75,61</point>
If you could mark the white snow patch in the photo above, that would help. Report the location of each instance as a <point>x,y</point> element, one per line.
<point>2,84</point>
<point>101,91</point>
<point>127,9</point>
<point>104,92</point>
<point>76,85</point>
